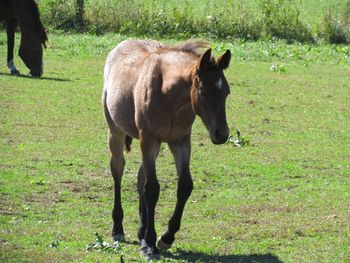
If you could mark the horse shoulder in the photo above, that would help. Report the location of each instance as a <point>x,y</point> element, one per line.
<point>163,99</point>
<point>147,88</point>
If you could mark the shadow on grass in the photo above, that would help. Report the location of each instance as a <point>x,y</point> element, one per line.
<point>192,256</point>
<point>30,77</point>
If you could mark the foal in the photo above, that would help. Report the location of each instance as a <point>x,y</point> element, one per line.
<point>153,93</point>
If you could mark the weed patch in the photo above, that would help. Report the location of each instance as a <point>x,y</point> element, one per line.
<point>240,141</point>
<point>248,20</point>
<point>281,19</point>
<point>103,246</point>
<point>336,28</point>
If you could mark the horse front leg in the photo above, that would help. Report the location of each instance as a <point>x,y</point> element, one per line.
<point>11,27</point>
<point>150,149</point>
<point>181,151</point>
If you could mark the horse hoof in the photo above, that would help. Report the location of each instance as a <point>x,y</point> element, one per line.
<point>149,253</point>
<point>118,237</point>
<point>15,72</point>
<point>162,245</point>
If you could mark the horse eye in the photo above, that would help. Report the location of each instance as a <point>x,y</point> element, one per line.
<point>203,92</point>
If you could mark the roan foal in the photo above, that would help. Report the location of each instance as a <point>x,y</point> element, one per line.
<point>153,93</point>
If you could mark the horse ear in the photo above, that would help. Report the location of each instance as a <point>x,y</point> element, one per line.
<point>224,60</point>
<point>205,59</point>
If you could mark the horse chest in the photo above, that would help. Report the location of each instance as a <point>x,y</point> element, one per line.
<point>169,123</point>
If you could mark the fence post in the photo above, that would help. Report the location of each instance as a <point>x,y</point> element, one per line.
<point>80,13</point>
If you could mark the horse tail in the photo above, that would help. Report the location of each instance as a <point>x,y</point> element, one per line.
<point>128,141</point>
<point>108,117</point>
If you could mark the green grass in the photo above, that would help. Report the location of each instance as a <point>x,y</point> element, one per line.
<point>283,198</point>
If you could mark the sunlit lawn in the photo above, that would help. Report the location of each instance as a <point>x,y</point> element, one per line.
<point>283,198</point>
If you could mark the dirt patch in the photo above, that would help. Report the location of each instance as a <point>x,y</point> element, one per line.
<point>254,209</point>
<point>8,207</point>
<point>74,187</point>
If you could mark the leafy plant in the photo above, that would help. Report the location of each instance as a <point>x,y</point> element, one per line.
<point>38,181</point>
<point>278,68</point>
<point>54,244</point>
<point>240,141</point>
<point>103,246</point>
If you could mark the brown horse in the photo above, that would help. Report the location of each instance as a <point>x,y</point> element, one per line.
<point>153,93</point>
<point>33,35</point>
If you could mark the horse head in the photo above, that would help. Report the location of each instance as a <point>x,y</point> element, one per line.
<point>31,51</point>
<point>209,92</point>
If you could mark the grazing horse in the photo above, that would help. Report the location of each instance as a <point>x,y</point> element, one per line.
<point>153,93</point>
<point>24,13</point>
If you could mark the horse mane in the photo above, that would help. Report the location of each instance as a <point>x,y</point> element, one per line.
<point>191,46</point>
<point>38,25</point>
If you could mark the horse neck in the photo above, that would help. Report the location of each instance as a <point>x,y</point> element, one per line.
<point>187,84</point>
<point>178,70</point>
<point>28,17</point>
<point>6,10</point>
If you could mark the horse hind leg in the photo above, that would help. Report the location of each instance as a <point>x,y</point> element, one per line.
<point>11,27</point>
<point>142,205</point>
<point>11,66</point>
<point>150,193</point>
<point>117,163</point>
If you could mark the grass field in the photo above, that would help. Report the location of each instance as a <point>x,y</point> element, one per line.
<point>283,198</point>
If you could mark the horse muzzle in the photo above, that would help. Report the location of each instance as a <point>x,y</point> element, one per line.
<point>36,73</point>
<point>219,136</point>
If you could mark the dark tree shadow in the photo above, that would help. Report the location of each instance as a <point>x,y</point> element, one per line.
<point>30,77</point>
<point>192,256</point>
